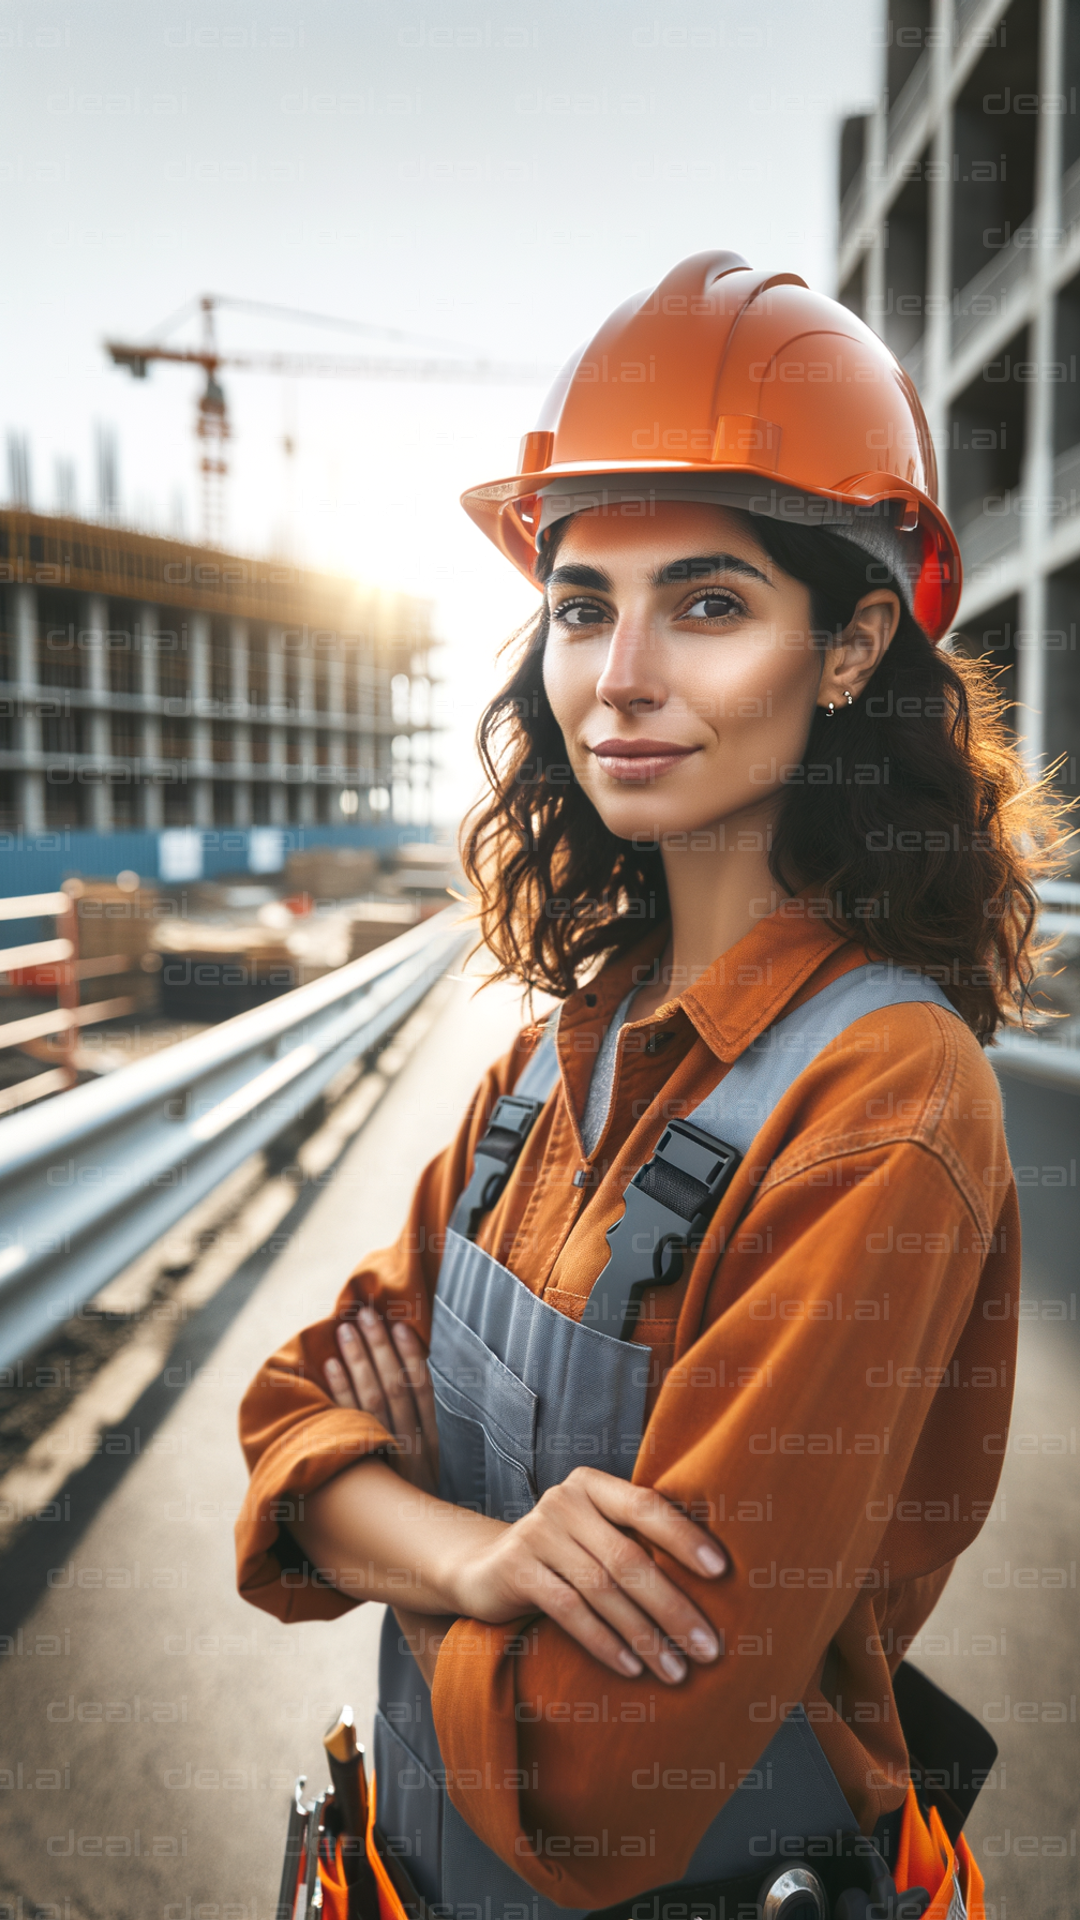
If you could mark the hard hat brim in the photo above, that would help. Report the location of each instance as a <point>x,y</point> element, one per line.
<point>507,511</point>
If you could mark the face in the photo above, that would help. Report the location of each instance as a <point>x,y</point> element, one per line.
<point>679,666</point>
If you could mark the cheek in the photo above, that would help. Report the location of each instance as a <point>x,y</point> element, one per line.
<point>766,681</point>
<point>568,685</point>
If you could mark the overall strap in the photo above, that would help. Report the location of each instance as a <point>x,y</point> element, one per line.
<point>738,1108</point>
<point>512,1119</point>
<point>671,1200</point>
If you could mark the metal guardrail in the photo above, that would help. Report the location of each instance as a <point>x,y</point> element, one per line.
<point>1040,1061</point>
<point>1060,913</point>
<point>89,1181</point>
<point>1045,1062</point>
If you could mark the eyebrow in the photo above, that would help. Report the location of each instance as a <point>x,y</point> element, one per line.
<point>699,566</point>
<point>580,576</point>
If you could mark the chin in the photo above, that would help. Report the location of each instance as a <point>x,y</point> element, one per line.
<point>646,816</point>
<point>649,813</point>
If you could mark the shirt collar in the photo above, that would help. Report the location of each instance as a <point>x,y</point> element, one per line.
<point>764,974</point>
<point>743,991</point>
<point>596,1001</point>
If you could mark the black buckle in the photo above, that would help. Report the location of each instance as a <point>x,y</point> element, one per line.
<point>666,1212</point>
<point>512,1120</point>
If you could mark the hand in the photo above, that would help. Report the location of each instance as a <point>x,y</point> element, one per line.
<point>572,1558</point>
<point>386,1374</point>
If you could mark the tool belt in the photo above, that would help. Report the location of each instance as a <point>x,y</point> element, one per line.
<point>838,1877</point>
<point>916,1864</point>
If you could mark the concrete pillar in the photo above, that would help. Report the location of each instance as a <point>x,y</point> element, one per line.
<point>275,674</point>
<point>242,781</point>
<point>1037,478</point>
<point>275,671</point>
<point>201,706</point>
<point>401,779</point>
<point>336,693</point>
<point>352,747</point>
<point>95,622</point>
<point>306,664</point>
<point>877,149</point>
<point>152,800</point>
<point>238,642</point>
<point>336,682</point>
<point>31,779</point>
<point>238,639</point>
<point>937,319</point>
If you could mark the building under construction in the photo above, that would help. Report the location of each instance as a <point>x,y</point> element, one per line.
<point>151,685</point>
<point>960,245</point>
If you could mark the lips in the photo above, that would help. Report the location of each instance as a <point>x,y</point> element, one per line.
<point>636,762</point>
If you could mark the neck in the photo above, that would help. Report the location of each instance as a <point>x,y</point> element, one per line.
<point>719,886</point>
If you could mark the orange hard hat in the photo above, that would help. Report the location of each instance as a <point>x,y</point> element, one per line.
<point>752,387</point>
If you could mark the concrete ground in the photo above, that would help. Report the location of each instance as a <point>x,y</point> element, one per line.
<point>153,1724</point>
<point>1003,1640</point>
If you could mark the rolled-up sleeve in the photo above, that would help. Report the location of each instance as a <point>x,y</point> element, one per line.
<point>835,1387</point>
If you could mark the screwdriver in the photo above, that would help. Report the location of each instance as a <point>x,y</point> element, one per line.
<point>346,1758</point>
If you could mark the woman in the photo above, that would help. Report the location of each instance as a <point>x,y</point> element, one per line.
<point>649,1427</point>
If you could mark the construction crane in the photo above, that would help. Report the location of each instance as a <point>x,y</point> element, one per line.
<point>212,424</point>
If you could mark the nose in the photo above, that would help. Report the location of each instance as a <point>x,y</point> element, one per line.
<point>631,679</point>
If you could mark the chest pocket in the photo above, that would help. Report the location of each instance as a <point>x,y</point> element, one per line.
<point>487,1421</point>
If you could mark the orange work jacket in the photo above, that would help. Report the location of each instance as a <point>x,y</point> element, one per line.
<point>830,1384</point>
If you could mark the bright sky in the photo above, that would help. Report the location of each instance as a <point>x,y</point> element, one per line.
<point>484,171</point>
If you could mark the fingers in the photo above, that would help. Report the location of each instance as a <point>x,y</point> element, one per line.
<point>540,1586</point>
<point>414,1363</point>
<point>389,1379</point>
<point>361,1374</point>
<point>340,1385</point>
<point>610,1599</point>
<point>650,1514</point>
<point>671,1625</point>
<point>373,1373</point>
<point>657,1620</point>
<point>402,1411</point>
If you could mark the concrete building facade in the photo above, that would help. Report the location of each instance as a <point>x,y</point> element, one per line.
<point>146,683</point>
<point>960,245</point>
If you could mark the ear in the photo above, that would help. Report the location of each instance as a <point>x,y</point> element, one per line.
<point>849,665</point>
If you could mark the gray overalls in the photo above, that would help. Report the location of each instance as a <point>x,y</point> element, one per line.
<point>525,1394</point>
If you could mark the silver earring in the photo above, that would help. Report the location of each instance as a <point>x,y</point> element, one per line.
<point>848,698</point>
<point>831,709</point>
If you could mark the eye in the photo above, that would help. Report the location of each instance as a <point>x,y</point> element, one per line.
<point>716,604</point>
<point>579,613</point>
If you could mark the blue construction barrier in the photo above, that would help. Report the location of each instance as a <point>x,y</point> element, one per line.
<point>41,862</point>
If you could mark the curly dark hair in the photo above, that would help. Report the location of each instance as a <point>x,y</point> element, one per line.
<point>926,848</point>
